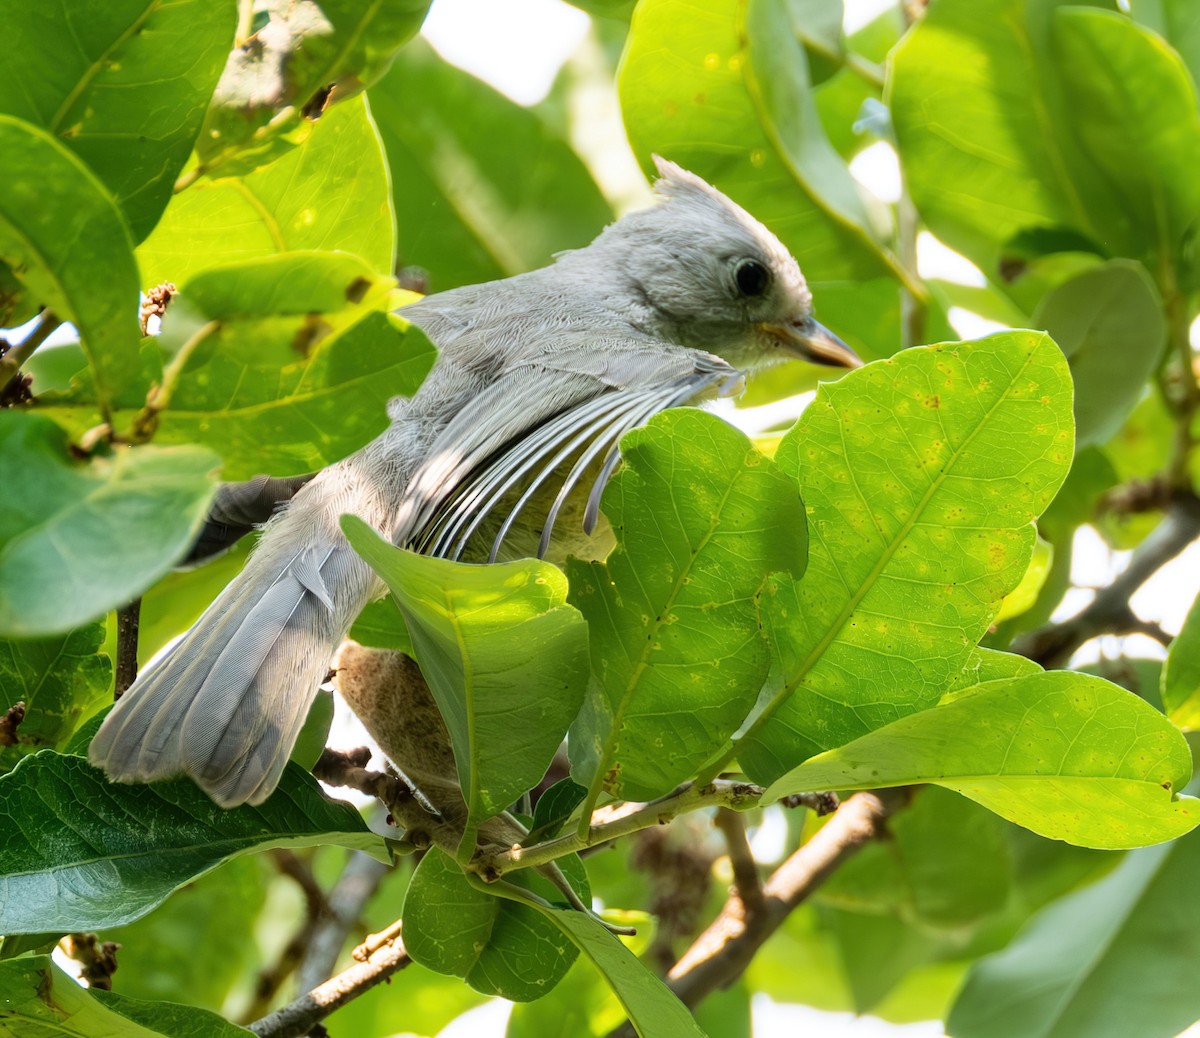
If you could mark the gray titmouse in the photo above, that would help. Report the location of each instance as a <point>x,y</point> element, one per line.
<point>537,377</point>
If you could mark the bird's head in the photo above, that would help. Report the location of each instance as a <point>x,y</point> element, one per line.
<point>708,275</point>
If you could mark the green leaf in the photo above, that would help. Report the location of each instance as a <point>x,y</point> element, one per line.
<point>310,743</point>
<point>499,947</point>
<point>483,187</point>
<point>298,369</point>
<point>83,853</point>
<point>330,193</point>
<point>1109,322</point>
<point>653,1010</point>
<point>67,242</point>
<point>381,626</point>
<point>700,519</point>
<point>922,476</point>
<point>1181,674</point>
<point>991,156</point>
<point>733,103</point>
<point>1130,94</point>
<point>41,1001</point>
<point>127,90</point>
<point>61,680</point>
<point>300,59</point>
<point>94,536</point>
<point>1111,960</point>
<point>1070,756</point>
<point>504,655</point>
<point>553,808</point>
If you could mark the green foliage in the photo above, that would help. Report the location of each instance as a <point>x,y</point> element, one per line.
<point>144,505</point>
<point>505,658</point>
<point>677,651</point>
<point>82,853</point>
<point>830,615</point>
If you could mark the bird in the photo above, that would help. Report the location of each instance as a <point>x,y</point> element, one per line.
<point>537,378</point>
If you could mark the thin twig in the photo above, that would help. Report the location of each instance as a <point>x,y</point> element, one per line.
<point>301,1016</point>
<point>159,398</point>
<point>746,880</point>
<point>725,949</point>
<point>128,619</point>
<point>610,823</point>
<point>356,885</point>
<point>1109,612</point>
<point>20,352</point>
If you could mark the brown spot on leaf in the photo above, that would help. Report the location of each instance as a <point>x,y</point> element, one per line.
<point>312,331</point>
<point>357,289</point>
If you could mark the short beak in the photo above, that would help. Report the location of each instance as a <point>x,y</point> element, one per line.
<point>810,340</point>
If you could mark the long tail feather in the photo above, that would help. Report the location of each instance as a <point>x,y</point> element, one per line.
<point>226,704</point>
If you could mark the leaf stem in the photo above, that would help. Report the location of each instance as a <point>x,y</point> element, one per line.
<point>614,821</point>
<point>159,397</point>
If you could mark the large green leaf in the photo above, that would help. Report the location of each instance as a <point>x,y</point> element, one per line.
<point>77,540</point>
<point>1070,756</point>
<point>499,947</point>
<point>82,853</point>
<point>1181,674</point>
<point>1109,322</point>
<point>678,657</point>
<point>330,193</point>
<point>988,156</point>
<point>61,681</point>
<point>127,89</point>
<point>721,87</point>
<point>40,1001</point>
<point>1130,94</point>
<point>505,658</point>
<point>62,234</point>
<point>922,476</point>
<point>483,188</point>
<point>1114,959</point>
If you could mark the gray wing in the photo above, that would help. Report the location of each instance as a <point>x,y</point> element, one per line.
<point>566,408</point>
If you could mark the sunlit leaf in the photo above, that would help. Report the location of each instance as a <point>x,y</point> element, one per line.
<point>1070,756</point>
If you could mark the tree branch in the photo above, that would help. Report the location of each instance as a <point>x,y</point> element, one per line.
<point>1109,612</point>
<point>128,620</point>
<point>301,1016</point>
<point>19,353</point>
<point>724,950</point>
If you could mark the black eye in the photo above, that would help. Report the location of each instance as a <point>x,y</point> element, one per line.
<point>752,278</point>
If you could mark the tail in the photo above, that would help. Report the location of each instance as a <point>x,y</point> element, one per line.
<point>226,704</point>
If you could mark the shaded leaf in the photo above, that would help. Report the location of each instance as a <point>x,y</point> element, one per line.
<point>483,188</point>
<point>499,947</point>
<point>127,89</point>
<point>990,156</point>
<point>61,680</point>
<point>41,1001</point>
<point>330,193</point>
<point>77,540</point>
<point>1130,94</point>
<point>67,243</point>
<point>1068,755</point>
<point>504,655</point>
<point>922,476</point>
<point>677,654</point>
<point>1113,959</point>
<point>83,853</point>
